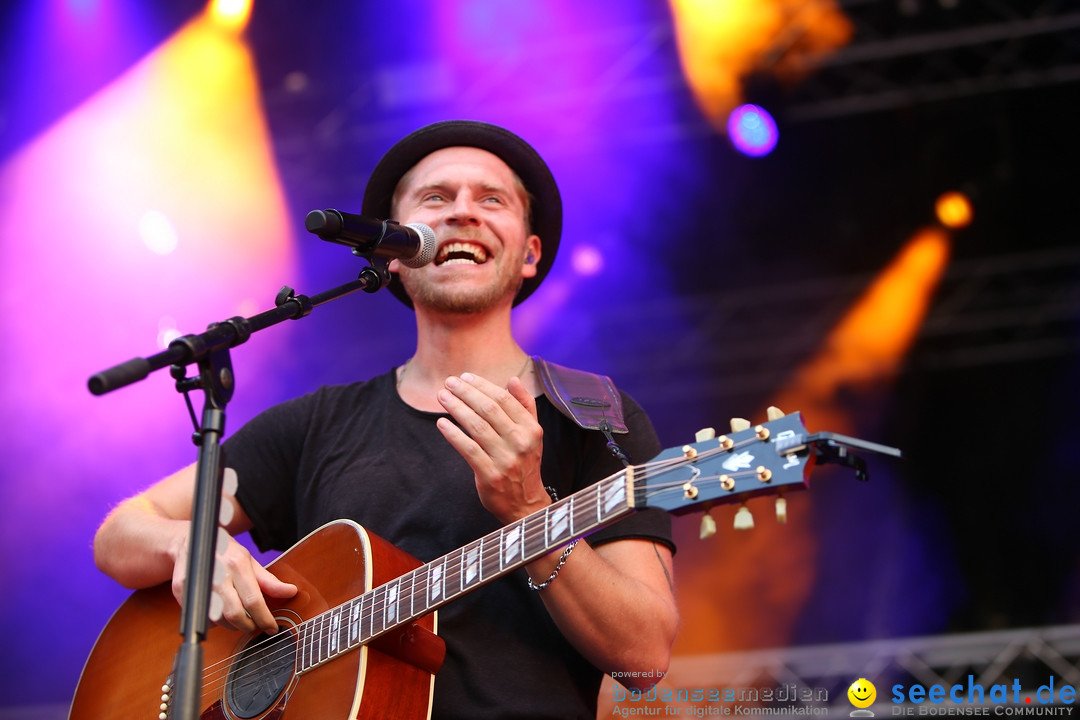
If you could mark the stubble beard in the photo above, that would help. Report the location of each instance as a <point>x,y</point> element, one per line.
<point>452,299</point>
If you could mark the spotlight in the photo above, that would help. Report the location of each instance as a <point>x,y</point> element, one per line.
<point>231,14</point>
<point>158,233</point>
<point>953,210</point>
<point>587,260</point>
<point>752,130</point>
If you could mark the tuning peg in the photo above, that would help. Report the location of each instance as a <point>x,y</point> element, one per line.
<point>739,424</point>
<point>708,527</point>
<point>743,519</point>
<point>704,434</point>
<point>781,510</point>
<point>774,413</point>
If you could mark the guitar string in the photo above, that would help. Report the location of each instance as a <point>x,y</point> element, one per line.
<point>327,633</point>
<point>379,605</point>
<point>417,579</point>
<point>324,635</point>
<point>452,561</point>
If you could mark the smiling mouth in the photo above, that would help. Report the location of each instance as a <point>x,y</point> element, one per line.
<point>460,253</point>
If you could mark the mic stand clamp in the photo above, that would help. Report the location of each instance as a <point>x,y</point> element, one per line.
<point>376,274</point>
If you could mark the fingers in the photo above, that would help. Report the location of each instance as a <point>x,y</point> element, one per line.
<point>493,421</point>
<point>499,436</point>
<point>242,585</point>
<point>496,406</point>
<point>253,598</point>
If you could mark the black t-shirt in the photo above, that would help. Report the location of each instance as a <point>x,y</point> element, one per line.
<point>359,452</point>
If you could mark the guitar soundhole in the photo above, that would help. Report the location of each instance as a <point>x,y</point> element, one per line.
<point>261,673</point>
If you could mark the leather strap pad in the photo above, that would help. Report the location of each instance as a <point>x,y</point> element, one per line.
<point>590,400</point>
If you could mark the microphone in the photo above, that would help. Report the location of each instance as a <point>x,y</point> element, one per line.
<point>413,245</point>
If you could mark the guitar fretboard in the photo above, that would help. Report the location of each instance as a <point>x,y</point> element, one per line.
<point>428,587</point>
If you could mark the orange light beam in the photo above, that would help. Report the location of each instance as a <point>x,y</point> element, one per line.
<point>869,343</point>
<point>764,577</point>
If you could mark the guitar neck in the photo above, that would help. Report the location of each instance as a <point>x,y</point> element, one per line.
<point>443,580</point>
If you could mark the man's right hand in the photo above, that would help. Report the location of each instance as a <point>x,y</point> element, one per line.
<point>144,542</point>
<point>243,588</point>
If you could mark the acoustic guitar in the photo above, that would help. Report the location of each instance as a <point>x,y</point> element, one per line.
<point>359,638</point>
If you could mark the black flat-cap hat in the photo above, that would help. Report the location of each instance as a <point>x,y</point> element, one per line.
<point>546,211</point>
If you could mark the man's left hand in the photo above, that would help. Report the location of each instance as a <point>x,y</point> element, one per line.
<point>498,434</point>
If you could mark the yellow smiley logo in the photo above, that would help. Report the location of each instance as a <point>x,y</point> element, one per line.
<point>862,693</point>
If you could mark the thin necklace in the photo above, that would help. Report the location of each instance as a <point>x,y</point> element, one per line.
<point>401,371</point>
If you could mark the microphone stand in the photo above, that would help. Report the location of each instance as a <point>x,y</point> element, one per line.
<point>210,352</point>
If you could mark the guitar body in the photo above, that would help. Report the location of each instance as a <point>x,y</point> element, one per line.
<point>129,669</point>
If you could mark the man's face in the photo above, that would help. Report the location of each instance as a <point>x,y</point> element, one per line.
<point>477,208</point>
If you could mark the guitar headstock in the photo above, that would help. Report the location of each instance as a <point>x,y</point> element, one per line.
<point>765,459</point>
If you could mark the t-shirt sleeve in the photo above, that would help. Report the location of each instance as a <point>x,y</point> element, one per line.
<point>266,453</point>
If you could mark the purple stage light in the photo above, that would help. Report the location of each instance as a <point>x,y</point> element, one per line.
<point>752,130</point>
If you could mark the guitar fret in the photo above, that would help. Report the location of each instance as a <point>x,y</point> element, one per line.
<point>343,629</point>
<point>490,556</point>
<point>378,606</point>
<point>615,495</point>
<point>412,593</point>
<point>303,635</point>
<point>436,582</point>
<point>309,645</point>
<point>535,540</point>
<point>559,523</point>
<point>404,596</point>
<point>513,544</point>
<point>391,608</point>
<point>354,621</point>
<point>469,570</point>
<point>453,575</point>
<point>320,637</point>
<point>370,615</point>
<point>313,640</point>
<point>333,636</point>
<point>581,515</point>
<point>313,651</point>
<point>324,638</point>
<point>480,560</point>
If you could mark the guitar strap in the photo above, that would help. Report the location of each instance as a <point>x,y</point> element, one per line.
<point>590,400</point>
